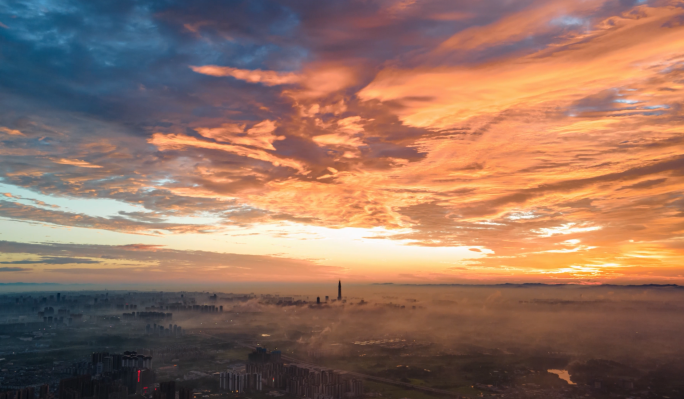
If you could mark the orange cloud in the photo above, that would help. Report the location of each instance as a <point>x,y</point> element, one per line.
<point>179,142</point>
<point>76,162</point>
<point>268,78</point>
<point>345,135</point>
<point>620,51</point>
<point>537,19</point>
<point>9,131</point>
<point>260,135</point>
<point>316,81</point>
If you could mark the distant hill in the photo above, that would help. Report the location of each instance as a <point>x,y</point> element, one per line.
<point>532,285</point>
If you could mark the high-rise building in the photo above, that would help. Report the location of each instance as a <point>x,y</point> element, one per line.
<point>306,381</point>
<point>108,364</point>
<point>26,393</point>
<point>318,300</point>
<point>84,387</point>
<point>184,393</point>
<point>44,391</point>
<point>76,387</point>
<point>167,390</point>
<point>98,356</point>
<point>239,382</point>
<point>339,290</point>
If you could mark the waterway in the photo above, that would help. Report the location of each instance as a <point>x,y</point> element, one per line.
<point>563,374</point>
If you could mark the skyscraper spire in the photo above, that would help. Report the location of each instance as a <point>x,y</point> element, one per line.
<point>339,290</point>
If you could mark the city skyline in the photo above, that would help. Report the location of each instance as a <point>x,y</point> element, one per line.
<point>436,142</point>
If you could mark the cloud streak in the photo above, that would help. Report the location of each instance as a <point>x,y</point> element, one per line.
<point>50,261</point>
<point>14,269</point>
<point>268,78</point>
<point>136,263</point>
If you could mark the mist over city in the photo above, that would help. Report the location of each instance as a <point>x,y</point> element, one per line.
<point>377,340</point>
<point>341,199</point>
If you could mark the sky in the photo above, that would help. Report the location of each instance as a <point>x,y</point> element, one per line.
<point>434,141</point>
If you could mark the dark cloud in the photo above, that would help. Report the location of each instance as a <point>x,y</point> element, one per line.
<point>52,261</point>
<point>14,269</point>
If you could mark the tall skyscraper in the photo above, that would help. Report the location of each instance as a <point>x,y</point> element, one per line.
<point>339,290</point>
